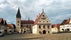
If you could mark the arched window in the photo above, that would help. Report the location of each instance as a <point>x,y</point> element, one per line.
<point>39,26</point>
<point>48,26</point>
<point>43,26</point>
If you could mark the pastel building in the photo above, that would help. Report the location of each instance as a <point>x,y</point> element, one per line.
<point>55,28</point>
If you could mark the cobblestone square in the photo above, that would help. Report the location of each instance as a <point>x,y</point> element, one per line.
<point>61,36</point>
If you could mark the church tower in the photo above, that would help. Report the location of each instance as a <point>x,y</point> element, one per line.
<point>18,21</point>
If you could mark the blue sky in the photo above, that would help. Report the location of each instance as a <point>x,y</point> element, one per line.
<point>56,10</point>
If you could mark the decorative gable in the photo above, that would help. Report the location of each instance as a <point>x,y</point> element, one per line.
<point>42,19</point>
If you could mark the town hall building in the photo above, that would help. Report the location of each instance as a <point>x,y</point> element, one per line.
<point>42,24</point>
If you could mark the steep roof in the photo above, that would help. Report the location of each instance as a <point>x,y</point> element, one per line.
<point>18,15</point>
<point>27,22</point>
<point>67,21</point>
<point>39,17</point>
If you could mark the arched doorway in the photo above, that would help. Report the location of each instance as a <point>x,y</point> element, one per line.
<point>44,31</point>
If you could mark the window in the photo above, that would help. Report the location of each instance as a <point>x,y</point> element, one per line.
<point>39,21</point>
<point>43,15</point>
<point>47,21</point>
<point>52,26</point>
<point>67,30</point>
<point>43,21</point>
<point>43,18</point>
<point>40,32</point>
<point>48,31</point>
<point>39,26</point>
<point>18,24</point>
<point>48,26</point>
<point>43,26</point>
<point>18,21</point>
<point>21,25</point>
<point>30,25</point>
<point>63,29</point>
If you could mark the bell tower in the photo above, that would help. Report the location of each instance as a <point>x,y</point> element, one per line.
<point>18,21</point>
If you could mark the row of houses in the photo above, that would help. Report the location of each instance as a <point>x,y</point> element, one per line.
<point>41,25</point>
<point>65,26</point>
<point>6,28</point>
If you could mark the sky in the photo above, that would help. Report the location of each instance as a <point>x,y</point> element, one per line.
<point>56,10</point>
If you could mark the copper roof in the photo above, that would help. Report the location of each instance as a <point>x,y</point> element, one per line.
<point>27,22</point>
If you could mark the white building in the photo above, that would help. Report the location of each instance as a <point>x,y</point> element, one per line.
<point>41,25</point>
<point>34,29</point>
<point>55,28</point>
<point>65,26</point>
<point>2,26</point>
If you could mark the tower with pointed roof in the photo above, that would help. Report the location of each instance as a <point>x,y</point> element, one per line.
<point>18,21</point>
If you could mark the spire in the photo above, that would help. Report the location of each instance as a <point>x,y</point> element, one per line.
<point>42,10</point>
<point>18,14</point>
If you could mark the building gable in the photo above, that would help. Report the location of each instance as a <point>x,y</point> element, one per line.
<point>42,19</point>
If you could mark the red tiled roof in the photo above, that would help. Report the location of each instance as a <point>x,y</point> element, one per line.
<point>1,19</point>
<point>37,19</point>
<point>56,25</point>
<point>10,25</point>
<point>65,22</point>
<point>27,22</point>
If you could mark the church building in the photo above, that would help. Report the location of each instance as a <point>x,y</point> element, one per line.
<point>23,26</point>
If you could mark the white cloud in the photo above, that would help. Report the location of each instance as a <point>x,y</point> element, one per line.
<point>2,5</point>
<point>2,1</point>
<point>31,8</point>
